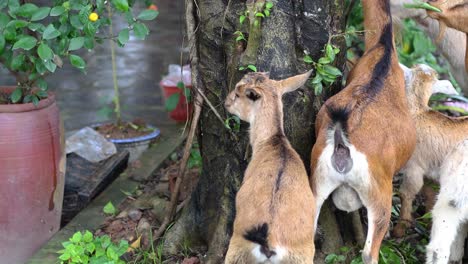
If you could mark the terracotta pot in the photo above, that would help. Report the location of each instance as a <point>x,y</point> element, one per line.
<point>32,169</point>
<point>182,110</point>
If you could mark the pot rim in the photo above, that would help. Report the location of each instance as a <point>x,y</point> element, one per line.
<point>19,108</point>
<point>153,135</point>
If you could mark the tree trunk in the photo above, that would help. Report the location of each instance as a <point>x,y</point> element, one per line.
<point>293,27</point>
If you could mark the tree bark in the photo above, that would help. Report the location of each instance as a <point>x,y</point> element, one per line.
<point>293,27</point>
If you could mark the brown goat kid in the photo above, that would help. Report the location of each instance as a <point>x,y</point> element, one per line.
<point>274,207</point>
<point>455,15</point>
<point>365,133</point>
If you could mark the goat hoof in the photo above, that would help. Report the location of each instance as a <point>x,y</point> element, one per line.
<point>399,230</point>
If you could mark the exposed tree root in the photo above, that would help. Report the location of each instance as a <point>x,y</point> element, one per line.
<point>171,210</point>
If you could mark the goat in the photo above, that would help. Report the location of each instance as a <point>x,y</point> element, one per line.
<point>450,213</point>
<point>454,15</point>
<point>437,135</point>
<point>451,46</point>
<point>365,132</point>
<point>275,207</point>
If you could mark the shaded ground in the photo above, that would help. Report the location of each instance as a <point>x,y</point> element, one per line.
<point>140,66</point>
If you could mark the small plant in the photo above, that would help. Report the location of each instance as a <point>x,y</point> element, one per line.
<point>248,67</point>
<point>325,73</point>
<point>262,12</point>
<point>109,209</point>
<point>240,36</point>
<point>86,248</point>
<point>195,158</point>
<point>36,40</point>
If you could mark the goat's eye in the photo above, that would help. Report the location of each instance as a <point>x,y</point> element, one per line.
<point>237,95</point>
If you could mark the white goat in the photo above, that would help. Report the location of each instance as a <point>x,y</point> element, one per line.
<point>434,157</point>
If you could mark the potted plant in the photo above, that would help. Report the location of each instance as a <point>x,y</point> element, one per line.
<point>35,41</point>
<point>133,136</point>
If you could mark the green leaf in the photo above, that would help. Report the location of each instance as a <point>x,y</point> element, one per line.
<point>308,59</point>
<point>26,43</point>
<point>16,95</point>
<point>90,29</point>
<point>269,5</point>
<point>90,247</point>
<point>57,11</point>
<point>17,62</point>
<point>40,14</point>
<point>4,19</point>
<point>329,52</point>
<point>76,43</point>
<point>258,14</point>
<point>242,19</point>
<point>89,43</point>
<point>121,5</point>
<point>267,13</point>
<point>111,254</point>
<point>76,237</point>
<point>75,22</point>
<point>35,26</point>
<point>50,32</point>
<point>252,67</point>
<point>26,10</point>
<point>87,237</point>
<point>41,84</point>
<point>45,52</point>
<point>318,88</point>
<point>332,70</point>
<point>148,14</point>
<point>172,101</point>
<point>65,256</point>
<point>140,30</point>
<point>35,99</point>
<point>2,43</point>
<point>17,23</point>
<point>50,66</point>
<point>422,6</point>
<point>77,61</point>
<point>109,209</point>
<point>324,60</point>
<point>317,79</point>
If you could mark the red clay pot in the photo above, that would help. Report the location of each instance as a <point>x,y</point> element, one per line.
<point>32,170</point>
<point>182,110</point>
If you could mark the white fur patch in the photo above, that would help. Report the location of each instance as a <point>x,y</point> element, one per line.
<point>358,178</point>
<point>275,259</point>
<point>450,213</point>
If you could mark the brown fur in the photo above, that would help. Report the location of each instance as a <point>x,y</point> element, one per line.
<point>379,124</point>
<point>275,188</point>
<point>437,135</point>
<point>454,15</point>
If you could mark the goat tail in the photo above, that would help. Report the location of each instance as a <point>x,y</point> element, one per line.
<point>377,23</point>
<point>341,158</point>
<point>259,235</point>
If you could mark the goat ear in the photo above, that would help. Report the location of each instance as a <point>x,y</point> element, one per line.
<point>252,94</point>
<point>444,87</point>
<point>292,83</point>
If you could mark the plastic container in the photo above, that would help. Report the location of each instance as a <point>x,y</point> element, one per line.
<point>169,86</point>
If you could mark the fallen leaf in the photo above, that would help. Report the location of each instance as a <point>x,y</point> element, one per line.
<point>135,245</point>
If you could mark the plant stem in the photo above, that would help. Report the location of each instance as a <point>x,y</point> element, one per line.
<point>114,72</point>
